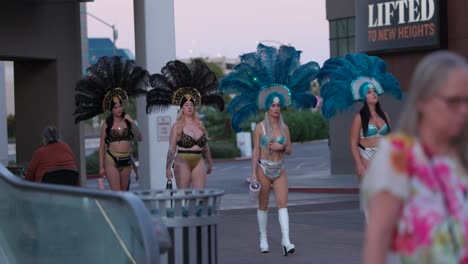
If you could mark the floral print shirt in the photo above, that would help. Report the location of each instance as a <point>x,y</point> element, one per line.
<point>433,224</point>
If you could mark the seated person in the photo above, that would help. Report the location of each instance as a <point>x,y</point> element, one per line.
<point>54,155</point>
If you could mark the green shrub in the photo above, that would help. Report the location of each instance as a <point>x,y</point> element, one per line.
<point>305,125</point>
<point>218,125</point>
<point>223,150</point>
<point>92,163</point>
<point>11,126</point>
<point>318,126</point>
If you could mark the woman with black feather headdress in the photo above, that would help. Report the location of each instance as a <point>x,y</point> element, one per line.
<point>188,86</point>
<point>270,79</point>
<point>106,85</point>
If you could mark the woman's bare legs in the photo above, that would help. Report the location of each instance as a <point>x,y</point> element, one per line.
<point>264,195</point>
<point>124,177</point>
<point>262,212</point>
<point>181,173</point>
<point>186,178</point>
<point>198,175</point>
<point>112,174</point>
<point>280,187</point>
<point>365,162</point>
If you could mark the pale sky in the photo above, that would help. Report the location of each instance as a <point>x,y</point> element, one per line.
<point>211,28</point>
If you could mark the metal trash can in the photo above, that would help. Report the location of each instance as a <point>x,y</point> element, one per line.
<point>191,217</point>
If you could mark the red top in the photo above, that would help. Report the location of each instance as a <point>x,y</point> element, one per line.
<point>50,157</point>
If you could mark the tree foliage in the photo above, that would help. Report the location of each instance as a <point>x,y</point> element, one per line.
<point>11,126</point>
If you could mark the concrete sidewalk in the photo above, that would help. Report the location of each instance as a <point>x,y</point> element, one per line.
<point>326,224</point>
<point>322,233</point>
<point>325,227</point>
<point>307,190</point>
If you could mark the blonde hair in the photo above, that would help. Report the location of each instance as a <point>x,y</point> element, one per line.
<point>269,129</point>
<point>427,80</point>
<point>181,119</point>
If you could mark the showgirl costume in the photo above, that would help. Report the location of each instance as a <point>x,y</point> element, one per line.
<point>107,82</point>
<point>264,77</point>
<point>344,81</point>
<point>177,84</point>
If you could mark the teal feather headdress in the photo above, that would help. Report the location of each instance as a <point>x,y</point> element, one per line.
<point>266,74</point>
<point>344,81</point>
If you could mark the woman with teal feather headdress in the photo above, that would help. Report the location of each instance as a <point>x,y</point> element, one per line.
<point>270,79</point>
<point>353,78</point>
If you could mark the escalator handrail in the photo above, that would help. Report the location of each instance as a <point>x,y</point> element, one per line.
<point>143,217</point>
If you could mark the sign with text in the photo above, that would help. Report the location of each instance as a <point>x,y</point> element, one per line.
<point>383,25</point>
<point>163,125</point>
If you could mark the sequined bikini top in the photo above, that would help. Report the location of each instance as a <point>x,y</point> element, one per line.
<point>187,141</point>
<point>264,139</point>
<point>115,136</point>
<point>373,131</point>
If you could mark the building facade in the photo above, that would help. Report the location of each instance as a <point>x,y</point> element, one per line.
<point>399,32</point>
<point>42,38</point>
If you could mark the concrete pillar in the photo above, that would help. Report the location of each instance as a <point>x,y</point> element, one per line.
<point>154,45</point>
<point>84,65</point>
<point>3,115</point>
<point>44,43</point>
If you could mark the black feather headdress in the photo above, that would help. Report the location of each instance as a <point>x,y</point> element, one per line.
<point>108,78</point>
<point>178,80</point>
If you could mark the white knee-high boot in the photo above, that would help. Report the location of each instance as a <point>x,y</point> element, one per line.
<point>262,217</point>
<point>284,223</point>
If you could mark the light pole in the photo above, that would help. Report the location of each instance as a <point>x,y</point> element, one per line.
<point>115,34</point>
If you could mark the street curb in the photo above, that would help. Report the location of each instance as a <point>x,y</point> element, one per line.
<point>249,158</point>
<point>96,176</point>
<point>340,190</point>
<point>312,207</point>
<point>92,176</point>
<point>232,160</point>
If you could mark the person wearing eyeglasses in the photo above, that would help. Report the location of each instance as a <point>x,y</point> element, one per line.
<point>415,188</point>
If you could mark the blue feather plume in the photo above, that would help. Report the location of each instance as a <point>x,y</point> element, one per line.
<point>268,67</point>
<point>242,115</point>
<point>338,74</point>
<point>288,62</point>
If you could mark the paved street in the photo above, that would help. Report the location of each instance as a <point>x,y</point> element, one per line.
<point>308,160</point>
<point>307,166</point>
<point>325,227</point>
<point>322,234</point>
